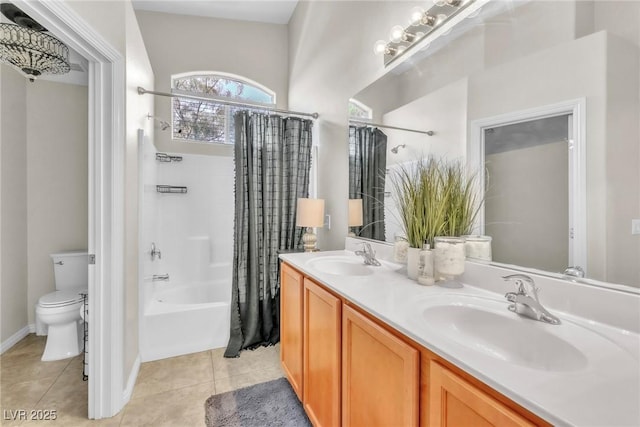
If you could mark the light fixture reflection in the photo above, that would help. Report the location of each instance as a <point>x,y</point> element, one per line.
<point>421,24</point>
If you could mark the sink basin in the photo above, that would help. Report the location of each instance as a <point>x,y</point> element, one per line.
<point>341,266</point>
<point>486,326</point>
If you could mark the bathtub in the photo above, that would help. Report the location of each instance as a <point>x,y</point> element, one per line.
<point>183,318</point>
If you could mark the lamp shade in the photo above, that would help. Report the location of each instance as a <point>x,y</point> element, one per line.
<point>310,213</point>
<point>355,212</point>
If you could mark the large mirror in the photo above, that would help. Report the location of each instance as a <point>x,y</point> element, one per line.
<point>543,100</point>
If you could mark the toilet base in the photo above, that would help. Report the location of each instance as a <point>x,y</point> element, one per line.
<point>63,341</point>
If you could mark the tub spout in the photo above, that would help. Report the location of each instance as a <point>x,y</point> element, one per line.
<point>160,277</point>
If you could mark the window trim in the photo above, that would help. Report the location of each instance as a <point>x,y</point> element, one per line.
<point>230,76</point>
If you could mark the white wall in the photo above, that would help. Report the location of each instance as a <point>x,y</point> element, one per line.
<point>179,44</point>
<point>623,152</point>
<point>148,204</point>
<point>528,218</point>
<point>138,73</point>
<point>13,195</point>
<point>445,110</point>
<point>57,179</point>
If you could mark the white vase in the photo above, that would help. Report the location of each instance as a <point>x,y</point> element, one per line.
<point>413,263</point>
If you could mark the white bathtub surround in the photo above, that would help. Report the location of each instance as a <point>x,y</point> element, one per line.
<point>603,325</point>
<point>194,231</point>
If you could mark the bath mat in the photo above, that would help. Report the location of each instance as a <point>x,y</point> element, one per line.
<point>273,403</point>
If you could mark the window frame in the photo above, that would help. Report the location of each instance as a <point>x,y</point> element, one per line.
<point>364,107</point>
<point>228,119</point>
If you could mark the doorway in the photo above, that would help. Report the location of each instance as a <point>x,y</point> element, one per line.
<point>105,198</point>
<point>526,208</point>
<point>531,166</point>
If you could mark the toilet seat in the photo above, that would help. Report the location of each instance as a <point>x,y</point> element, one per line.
<point>62,298</point>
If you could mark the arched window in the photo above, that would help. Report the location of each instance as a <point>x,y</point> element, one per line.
<point>209,121</point>
<point>359,111</point>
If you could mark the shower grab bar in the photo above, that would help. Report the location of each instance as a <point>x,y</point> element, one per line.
<point>170,189</point>
<point>167,158</point>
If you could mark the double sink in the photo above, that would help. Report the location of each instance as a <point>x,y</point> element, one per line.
<point>483,325</point>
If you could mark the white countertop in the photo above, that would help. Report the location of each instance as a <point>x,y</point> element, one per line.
<point>605,391</point>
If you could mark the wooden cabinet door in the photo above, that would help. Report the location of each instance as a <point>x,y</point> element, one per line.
<point>322,317</point>
<point>380,375</point>
<point>453,401</point>
<point>291,326</point>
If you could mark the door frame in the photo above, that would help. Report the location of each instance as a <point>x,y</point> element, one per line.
<point>577,165</point>
<point>106,139</point>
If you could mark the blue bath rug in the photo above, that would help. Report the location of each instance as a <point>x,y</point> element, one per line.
<point>273,403</point>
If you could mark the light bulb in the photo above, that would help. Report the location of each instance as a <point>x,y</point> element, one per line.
<point>439,3</point>
<point>397,33</point>
<point>416,15</point>
<point>380,47</point>
<point>440,19</point>
<point>401,49</point>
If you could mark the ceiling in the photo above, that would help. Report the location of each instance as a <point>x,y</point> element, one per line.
<point>270,11</point>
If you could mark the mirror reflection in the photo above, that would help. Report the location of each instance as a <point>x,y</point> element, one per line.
<point>562,186</point>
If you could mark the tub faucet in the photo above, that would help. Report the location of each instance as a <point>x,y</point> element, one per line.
<point>368,254</point>
<point>160,277</point>
<point>525,300</point>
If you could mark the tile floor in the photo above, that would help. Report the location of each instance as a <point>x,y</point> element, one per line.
<point>169,392</point>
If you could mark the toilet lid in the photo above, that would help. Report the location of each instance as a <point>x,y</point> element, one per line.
<point>60,298</point>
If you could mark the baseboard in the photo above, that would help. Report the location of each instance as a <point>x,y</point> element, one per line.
<point>131,382</point>
<point>15,338</point>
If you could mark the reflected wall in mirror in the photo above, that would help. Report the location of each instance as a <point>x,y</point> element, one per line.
<point>527,218</point>
<point>528,56</point>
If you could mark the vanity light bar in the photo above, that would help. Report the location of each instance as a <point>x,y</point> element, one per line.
<point>422,23</point>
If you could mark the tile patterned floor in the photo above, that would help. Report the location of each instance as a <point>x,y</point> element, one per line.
<point>169,392</point>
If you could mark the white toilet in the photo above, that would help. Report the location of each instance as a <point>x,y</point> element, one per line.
<point>58,313</point>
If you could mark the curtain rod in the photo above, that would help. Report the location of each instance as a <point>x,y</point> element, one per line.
<point>142,91</point>
<point>360,122</point>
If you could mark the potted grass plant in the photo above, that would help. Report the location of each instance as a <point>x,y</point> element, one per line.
<point>434,198</point>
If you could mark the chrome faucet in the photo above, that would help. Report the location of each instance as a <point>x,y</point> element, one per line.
<point>574,272</point>
<point>525,300</point>
<point>160,277</point>
<point>368,254</point>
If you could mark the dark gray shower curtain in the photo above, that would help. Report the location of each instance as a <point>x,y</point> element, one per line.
<point>367,171</point>
<point>272,162</point>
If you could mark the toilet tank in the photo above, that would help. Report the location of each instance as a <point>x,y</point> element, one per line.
<point>71,269</point>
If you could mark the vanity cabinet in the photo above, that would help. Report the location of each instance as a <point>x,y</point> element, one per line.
<point>291,292</point>
<point>350,369</point>
<point>321,337</point>
<point>454,401</point>
<point>380,375</point>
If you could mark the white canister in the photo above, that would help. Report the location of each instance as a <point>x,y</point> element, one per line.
<point>478,247</point>
<point>400,248</point>
<point>426,275</point>
<point>413,263</point>
<point>449,256</point>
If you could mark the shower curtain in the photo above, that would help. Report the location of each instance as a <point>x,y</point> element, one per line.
<point>272,162</point>
<point>367,171</point>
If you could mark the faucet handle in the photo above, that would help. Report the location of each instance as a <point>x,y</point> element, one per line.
<point>366,247</point>
<point>522,280</point>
